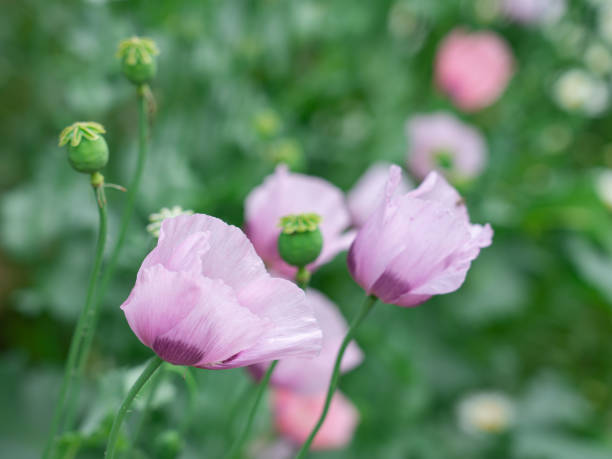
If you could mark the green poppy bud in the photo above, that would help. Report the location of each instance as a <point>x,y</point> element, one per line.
<point>138,59</point>
<point>87,149</point>
<point>300,241</point>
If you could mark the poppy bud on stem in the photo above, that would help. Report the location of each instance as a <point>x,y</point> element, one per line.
<point>87,153</point>
<point>300,243</point>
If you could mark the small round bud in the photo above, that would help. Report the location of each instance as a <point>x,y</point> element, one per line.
<point>87,149</point>
<point>300,241</point>
<point>137,56</point>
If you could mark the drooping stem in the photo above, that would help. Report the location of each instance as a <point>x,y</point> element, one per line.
<point>236,450</point>
<point>71,372</point>
<point>153,364</point>
<point>156,379</point>
<point>125,223</point>
<point>333,384</point>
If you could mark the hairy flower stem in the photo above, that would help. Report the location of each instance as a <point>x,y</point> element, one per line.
<point>112,263</point>
<point>153,364</point>
<point>367,306</point>
<point>236,450</point>
<point>70,372</point>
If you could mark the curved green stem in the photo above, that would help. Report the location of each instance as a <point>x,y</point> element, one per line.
<point>236,450</point>
<point>153,364</point>
<point>70,372</point>
<point>125,223</point>
<point>154,384</point>
<point>363,312</point>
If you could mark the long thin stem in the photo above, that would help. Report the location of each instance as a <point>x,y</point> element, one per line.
<point>363,312</point>
<point>143,127</point>
<point>153,385</point>
<point>70,372</point>
<point>153,364</point>
<point>236,450</point>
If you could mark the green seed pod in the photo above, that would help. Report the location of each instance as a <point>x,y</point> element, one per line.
<point>300,241</point>
<point>87,149</point>
<point>138,59</point>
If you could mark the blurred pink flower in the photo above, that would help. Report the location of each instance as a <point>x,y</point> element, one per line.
<point>534,11</point>
<point>443,142</point>
<point>417,245</point>
<point>203,298</point>
<point>296,414</point>
<point>285,193</point>
<point>366,194</point>
<point>473,68</point>
<point>313,375</point>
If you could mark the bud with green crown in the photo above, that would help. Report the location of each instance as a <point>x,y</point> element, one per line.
<point>137,56</point>
<point>300,241</point>
<point>87,149</point>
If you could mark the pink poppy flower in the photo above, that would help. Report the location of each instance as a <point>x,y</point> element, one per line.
<point>473,68</point>
<point>416,245</point>
<point>366,194</point>
<point>203,298</point>
<point>444,143</point>
<point>284,193</point>
<point>296,414</point>
<point>313,375</point>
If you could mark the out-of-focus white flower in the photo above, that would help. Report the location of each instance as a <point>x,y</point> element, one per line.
<point>598,59</point>
<point>603,185</point>
<point>486,412</point>
<point>157,218</point>
<point>577,90</point>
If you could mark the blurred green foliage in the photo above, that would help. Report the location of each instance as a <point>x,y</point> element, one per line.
<point>326,86</point>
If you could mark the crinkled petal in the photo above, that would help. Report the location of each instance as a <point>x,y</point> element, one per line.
<point>230,256</point>
<point>190,320</point>
<point>294,330</point>
<point>313,375</point>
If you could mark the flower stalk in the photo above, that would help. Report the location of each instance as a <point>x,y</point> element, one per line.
<point>152,366</point>
<point>82,331</point>
<point>367,306</point>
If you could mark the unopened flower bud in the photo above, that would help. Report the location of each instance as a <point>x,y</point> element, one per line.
<point>300,241</point>
<point>137,56</point>
<point>87,149</point>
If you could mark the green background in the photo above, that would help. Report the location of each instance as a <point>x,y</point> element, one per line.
<point>328,85</point>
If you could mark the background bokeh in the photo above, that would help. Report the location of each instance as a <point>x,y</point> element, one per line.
<point>326,85</point>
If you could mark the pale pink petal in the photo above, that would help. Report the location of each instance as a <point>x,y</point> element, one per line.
<point>296,415</point>
<point>313,375</point>
<point>367,194</point>
<point>295,330</point>
<point>188,320</point>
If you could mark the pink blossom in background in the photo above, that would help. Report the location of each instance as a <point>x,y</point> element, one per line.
<point>203,298</point>
<point>295,416</point>
<point>366,194</point>
<point>473,68</point>
<point>284,193</point>
<point>416,245</point>
<point>534,11</point>
<point>442,142</point>
<point>313,375</point>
